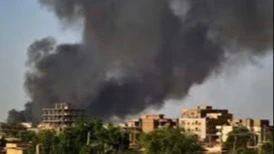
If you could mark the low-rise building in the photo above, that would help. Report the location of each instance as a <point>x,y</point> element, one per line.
<point>15,146</point>
<point>152,122</point>
<point>146,124</point>
<point>257,126</point>
<point>12,130</point>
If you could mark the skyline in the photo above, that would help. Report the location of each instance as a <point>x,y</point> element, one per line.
<point>22,23</point>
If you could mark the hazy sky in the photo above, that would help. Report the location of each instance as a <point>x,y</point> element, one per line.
<point>246,91</point>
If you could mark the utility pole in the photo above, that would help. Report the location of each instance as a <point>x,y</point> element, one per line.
<point>264,138</point>
<point>1,129</point>
<point>255,140</point>
<point>264,134</point>
<point>234,144</point>
<point>88,138</point>
<point>37,149</point>
<point>121,144</point>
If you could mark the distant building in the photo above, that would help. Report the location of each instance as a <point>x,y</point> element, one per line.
<point>61,116</point>
<point>203,120</point>
<point>146,124</point>
<point>152,122</point>
<point>12,130</point>
<point>223,132</point>
<point>257,126</point>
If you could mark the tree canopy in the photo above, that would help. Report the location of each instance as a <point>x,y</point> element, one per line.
<point>238,141</point>
<point>267,147</point>
<point>83,138</point>
<point>170,141</point>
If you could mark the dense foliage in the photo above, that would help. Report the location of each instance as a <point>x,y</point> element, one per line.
<point>267,147</point>
<point>170,141</point>
<point>103,139</point>
<point>240,141</point>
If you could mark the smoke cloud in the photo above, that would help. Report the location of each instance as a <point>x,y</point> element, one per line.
<point>135,54</point>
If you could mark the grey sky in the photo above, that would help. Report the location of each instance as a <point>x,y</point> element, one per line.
<point>21,22</point>
<point>246,91</point>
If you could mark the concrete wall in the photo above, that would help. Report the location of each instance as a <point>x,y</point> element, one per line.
<point>13,148</point>
<point>15,151</point>
<point>195,126</point>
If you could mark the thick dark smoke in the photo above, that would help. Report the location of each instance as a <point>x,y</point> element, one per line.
<point>136,54</point>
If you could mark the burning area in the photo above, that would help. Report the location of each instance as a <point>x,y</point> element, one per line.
<point>136,54</point>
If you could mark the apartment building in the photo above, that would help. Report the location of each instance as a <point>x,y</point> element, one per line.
<point>62,115</point>
<point>203,120</point>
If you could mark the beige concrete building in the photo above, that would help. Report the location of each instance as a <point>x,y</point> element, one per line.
<point>256,126</point>
<point>146,124</point>
<point>223,132</point>
<point>15,146</point>
<point>134,128</point>
<point>203,120</point>
<point>152,122</point>
<point>61,116</point>
<point>134,123</point>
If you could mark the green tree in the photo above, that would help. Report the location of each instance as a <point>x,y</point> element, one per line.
<point>237,141</point>
<point>103,139</point>
<point>28,136</point>
<point>46,139</point>
<point>267,147</point>
<point>170,141</point>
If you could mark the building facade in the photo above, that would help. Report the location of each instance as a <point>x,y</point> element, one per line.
<point>149,123</point>
<point>61,116</point>
<point>146,124</point>
<point>259,127</point>
<point>203,120</point>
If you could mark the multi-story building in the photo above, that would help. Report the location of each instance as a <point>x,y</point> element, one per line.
<point>203,120</point>
<point>61,116</point>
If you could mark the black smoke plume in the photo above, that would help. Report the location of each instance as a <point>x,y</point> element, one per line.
<point>135,54</point>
